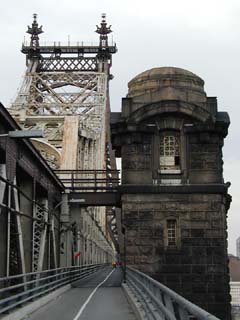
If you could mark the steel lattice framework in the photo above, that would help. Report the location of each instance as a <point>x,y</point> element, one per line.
<point>63,81</point>
<point>62,94</point>
<point>68,64</point>
<point>39,235</point>
<point>65,93</point>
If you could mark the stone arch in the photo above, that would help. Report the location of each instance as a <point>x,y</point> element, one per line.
<point>170,106</point>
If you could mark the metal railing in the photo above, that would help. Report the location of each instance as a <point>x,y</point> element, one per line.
<point>89,180</point>
<point>68,43</point>
<point>19,289</point>
<point>160,302</point>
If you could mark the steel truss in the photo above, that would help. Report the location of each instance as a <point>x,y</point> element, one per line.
<point>46,98</point>
<point>68,64</point>
<point>9,200</point>
<point>43,247</point>
<point>62,93</point>
<point>65,92</point>
<point>40,225</point>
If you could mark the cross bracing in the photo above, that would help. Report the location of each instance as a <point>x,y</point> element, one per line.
<point>68,64</point>
<point>66,95</point>
<point>62,93</point>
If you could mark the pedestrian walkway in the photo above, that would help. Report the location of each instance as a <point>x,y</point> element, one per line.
<point>99,296</point>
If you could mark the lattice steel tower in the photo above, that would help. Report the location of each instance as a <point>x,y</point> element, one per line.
<point>66,86</point>
<point>65,93</point>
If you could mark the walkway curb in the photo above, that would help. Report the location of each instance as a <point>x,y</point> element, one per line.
<point>136,306</point>
<point>33,306</point>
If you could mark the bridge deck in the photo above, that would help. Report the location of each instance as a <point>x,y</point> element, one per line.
<point>99,296</point>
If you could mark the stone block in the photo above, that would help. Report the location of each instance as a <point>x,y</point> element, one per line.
<point>145,215</point>
<point>217,288</point>
<point>185,233</point>
<point>199,269</point>
<point>198,215</point>
<point>217,233</point>
<point>173,278</point>
<point>172,259</point>
<point>177,269</point>
<point>216,269</point>
<point>199,288</point>
<point>197,233</point>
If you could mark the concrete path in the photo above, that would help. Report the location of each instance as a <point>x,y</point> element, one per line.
<point>99,297</point>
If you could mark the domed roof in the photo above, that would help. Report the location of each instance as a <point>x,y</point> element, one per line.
<point>157,78</point>
<point>165,71</point>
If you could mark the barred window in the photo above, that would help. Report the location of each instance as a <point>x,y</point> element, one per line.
<point>171,232</point>
<point>169,152</point>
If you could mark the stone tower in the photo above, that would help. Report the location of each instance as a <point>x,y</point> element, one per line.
<point>174,199</point>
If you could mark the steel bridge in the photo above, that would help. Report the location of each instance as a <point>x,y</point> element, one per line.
<point>60,196</point>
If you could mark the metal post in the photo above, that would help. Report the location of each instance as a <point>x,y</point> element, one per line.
<point>95,180</point>
<point>66,256</point>
<point>72,180</point>
<point>8,230</point>
<point>125,255</point>
<point>79,248</point>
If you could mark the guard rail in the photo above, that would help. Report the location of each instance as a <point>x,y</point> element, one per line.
<point>19,289</point>
<point>160,302</point>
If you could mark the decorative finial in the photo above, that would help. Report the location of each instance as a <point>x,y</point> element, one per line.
<point>34,30</point>
<point>34,18</point>
<point>104,16</point>
<point>103,30</point>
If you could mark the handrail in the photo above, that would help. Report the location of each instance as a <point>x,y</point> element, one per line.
<point>163,301</point>
<point>35,284</point>
<point>89,180</point>
<point>65,171</point>
<point>67,44</point>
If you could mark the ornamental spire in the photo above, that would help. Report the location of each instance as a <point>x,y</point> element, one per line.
<point>103,30</point>
<point>34,30</point>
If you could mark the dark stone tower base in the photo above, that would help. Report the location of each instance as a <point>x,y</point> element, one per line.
<point>174,199</point>
<point>196,266</point>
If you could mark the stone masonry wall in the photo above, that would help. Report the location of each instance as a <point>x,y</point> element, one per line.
<point>197,267</point>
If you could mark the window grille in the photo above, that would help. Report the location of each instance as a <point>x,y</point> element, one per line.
<point>169,152</point>
<point>171,232</point>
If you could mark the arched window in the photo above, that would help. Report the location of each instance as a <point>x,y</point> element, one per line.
<point>169,151</point>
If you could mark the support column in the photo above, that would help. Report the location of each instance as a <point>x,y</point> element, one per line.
<point>81,156</point>
<point>78,262</point>
<point>82,250</point>
<point>90,155</point>
<point>26,206</point>
<point>86,154</point>
<point>3,223</point>
<point>69,153</point>
<point>66,234</point>
<point>87,250</point>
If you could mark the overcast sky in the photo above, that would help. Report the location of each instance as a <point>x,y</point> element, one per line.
<point>200,36</point>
